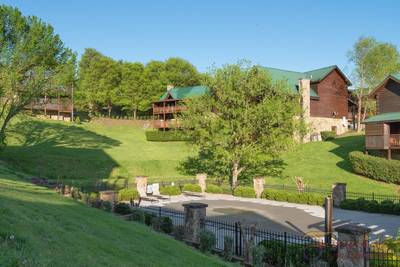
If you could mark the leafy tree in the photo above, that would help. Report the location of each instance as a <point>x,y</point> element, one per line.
<point>99,78</point>
<point>243,125</point>
<point>132,94</point>
<point>373,61</point>
<point>180,72</point>
<point>155,82</point>
<point>30,55</point>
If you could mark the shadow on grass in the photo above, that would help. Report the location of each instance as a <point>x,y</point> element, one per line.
<point>345,145</point>
<point>58,151</point>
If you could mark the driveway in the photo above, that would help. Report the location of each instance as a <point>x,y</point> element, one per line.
<point>283,216</point>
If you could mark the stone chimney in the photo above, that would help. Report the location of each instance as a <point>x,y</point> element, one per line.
<point>170,87</point>
<point>304,90</point>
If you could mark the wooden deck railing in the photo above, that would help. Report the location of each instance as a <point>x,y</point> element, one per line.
<point>168,109</point>
<point>394,140</point>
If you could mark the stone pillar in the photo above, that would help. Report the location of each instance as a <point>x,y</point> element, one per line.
<point>195,214</point>
<point>338,193</point>
<point>201,178</point>
<point>352,246</point>
<point>304,90</point>
<point>109,196</point>
<point>141,185</point>
<point>258,184</point>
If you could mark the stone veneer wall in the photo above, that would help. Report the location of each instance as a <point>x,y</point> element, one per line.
<point>319,124</point>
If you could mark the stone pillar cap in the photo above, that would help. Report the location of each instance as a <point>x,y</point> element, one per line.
<point>340,183</point>
<point>195,205</point>
<point>258,177</point>
<point>353,228</point>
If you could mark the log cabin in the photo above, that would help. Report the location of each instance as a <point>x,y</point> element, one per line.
<point>324,97</point>
<point>382,132</point>
<point>171,104</point>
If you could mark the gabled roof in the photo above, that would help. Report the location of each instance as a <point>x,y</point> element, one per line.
<point>384,117</point>
<point>180,93</point>
<point>394,76</point>
<point>293,77</point>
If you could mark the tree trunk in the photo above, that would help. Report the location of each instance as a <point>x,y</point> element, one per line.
<point>235,173</point>
<point>359,98</point>
<point>134,114</point>
<point>109,110</point>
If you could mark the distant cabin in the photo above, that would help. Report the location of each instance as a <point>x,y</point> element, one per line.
<point>171,104</point>
<point>324,96</point>
<point>382,132</point>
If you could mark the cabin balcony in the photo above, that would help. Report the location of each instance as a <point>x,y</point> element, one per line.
<point>168,109</point>
<point>394,141</point>
<point>62,107</point>
<point>164,124</point>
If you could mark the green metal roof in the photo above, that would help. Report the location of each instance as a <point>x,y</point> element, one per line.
<point>186,92</point>
<point>396,75</point>
<point>384,117</point>
<point>293,77</point>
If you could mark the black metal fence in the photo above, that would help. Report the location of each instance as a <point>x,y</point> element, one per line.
<point>280,248</point>
<point>372,196</point>
<point>381,255</point>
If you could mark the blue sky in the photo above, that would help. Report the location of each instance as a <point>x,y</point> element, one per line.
<point>294,35</point>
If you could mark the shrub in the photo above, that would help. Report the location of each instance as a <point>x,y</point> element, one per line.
<point>387,206</point>
<point>138,216</point>
<point>372,206</point>
<point>244,191</point>
<point>179,232</point>
<point>214,189</point>
<point>170,191</point>
<point>148,217</point>
<point>122,208</point>
<point>226,189</point>
<point>77,120</point>
<point>257,253</point>
<point>375,167</point>
<point>294,197</point>
<point>207,240</point>
<point>166,225</point>
<point>328,135</point>
<point>128,194</point>
<point>106,206</point>
<point>192,188</point>
<point>349,204</point>
<point>156,224</point>
<point>227,253</point>
<point>396,208</point>
<point>166,136</point>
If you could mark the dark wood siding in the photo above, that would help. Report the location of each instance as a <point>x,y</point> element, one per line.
<point>333,97</point>
<point>388,98</point>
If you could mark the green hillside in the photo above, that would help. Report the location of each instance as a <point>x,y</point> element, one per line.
<point>118,150</point>
<point>40,228</point>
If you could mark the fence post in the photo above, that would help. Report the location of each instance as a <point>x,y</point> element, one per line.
<point>353,246</point>
<point>201,178</point>
<point>237,238</point>
<point>195,214</point>
<point>159,212</point>
<point>258,184</point>
<point>338,193</point>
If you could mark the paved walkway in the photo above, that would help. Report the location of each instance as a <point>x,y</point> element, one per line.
<point>283,216</point>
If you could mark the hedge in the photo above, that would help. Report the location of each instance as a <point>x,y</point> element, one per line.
<point>192,188</point>
<point>166,136</point>
<point>244,191</point>
<point>170,190</point>
<point>214,189</point>
<point>328,135</point>
<point>128,194</point>
<point>295,197</point>
<point>375,167</point>
<point>372,206</point>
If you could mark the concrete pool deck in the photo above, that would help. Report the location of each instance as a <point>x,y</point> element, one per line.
<point>283,216</point>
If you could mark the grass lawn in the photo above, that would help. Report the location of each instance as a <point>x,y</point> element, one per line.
<point>40,228</point>
<point>90,151</point>
<point>119,150</point>
<point>323,163</point>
